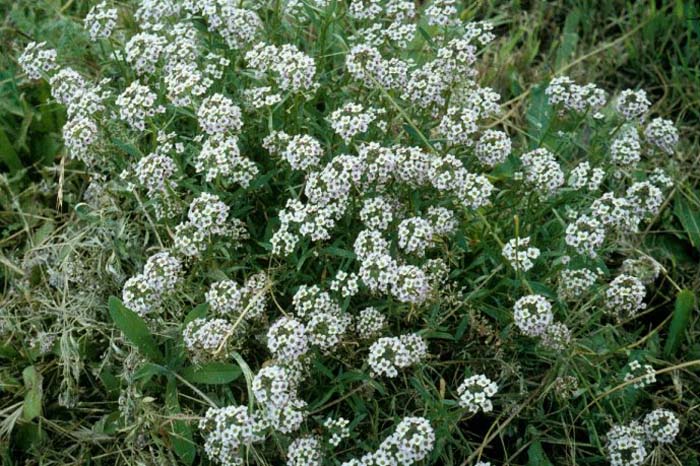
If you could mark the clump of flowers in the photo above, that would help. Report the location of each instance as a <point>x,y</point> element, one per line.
<point>542,171</point>
<point>533,314</point>
<point>661,425</point>
<point>632,104</point>
<point>369,323</point>
<point>663,134</point>
<point>208,339</point>
<point>287,339</point>
<point>351,151</point>
<point>575,284</point>
<point>645,373</point>
<point>226,431</point>
<point>626,445</point>
<point>389,354</point>
<point>557,337</point>
<point>624,297</point>
<point>410,443</point>
<point>338,430</point>
<point>37,60</point>
<point>520,254</point>
<point>305,451</point>
<point>100,21</point>
<point>475,393</point>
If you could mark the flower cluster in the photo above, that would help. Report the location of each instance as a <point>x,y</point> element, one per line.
<point>533,314</point>
<point>136,104</point>
<point>389,354</point>
<point>663,134</point>
<point>37,60</point>
<point>207,217</point>
<point>632,104</point>
<point>301,152</point>
<point>208,339</point>
<point>627,444</point>
<point>351,120</point>
<point>645,373</point>
<point>227,430</point>
<point>290,69</point>
<point>338,430</point>
<point>475,393</point>
<point>410,443</point>
<point>143,293</point>
<point>369,323</point>
<point>574,284</point>
<point>542,171</point>
<point>100,21</point>
<point>520,254</point>
<point>571,96</point>
<point>305,451</point>
<point>624,297</point>
<point>661,425</point>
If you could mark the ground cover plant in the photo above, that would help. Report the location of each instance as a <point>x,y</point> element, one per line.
<point>373,232</point>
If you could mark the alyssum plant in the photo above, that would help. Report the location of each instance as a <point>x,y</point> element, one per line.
<point>332,186</point>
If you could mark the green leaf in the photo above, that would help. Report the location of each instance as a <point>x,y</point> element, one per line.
<point>198,312</point>
<point>127,147</point>
<point>213,373</point>
<point>685,302</point>
<point>33,399</point>
<point>536,456</point>
<point>181,433</point>
<point>134,328</point>
<point>339,252</point>
<point>539,116</point>
<point>569,39</point>
<point>8,154</point>
<point>689,218</point>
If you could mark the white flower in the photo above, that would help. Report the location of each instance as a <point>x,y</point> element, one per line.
<point>542,171</point>
<point>287,339</point>
<point>305,451</point>
<point>338,428</point>
<point>475,393</point>
<point>415,235</point>
<point>100,21</point>
<point>663,134</point>
<point>37,59</point>
<point>625,297</point>
<point>493,147</point>
<point>369,323</point>
<point>661,425</point>
<point>533,314</point>
<point>205,338</point>
<point>136,104</point>
<point>626,445</point>
<point>585,235</point>
<point>646,372</point>
<point>632,104</point>
<point>520,254</point>
<point>217,114</point>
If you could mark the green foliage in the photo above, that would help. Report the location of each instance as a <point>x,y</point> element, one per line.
<point>109,382</point>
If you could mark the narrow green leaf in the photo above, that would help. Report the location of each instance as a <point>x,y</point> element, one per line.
<point>213,373</point>
<point>134,328</point>
<point>569,39</point>
<point>33,398</point>
<point>539,116</point>
<point>8,154</point>
<point>536,456</point>
<point>685,303</point>
<point>198,312</point>
<point>181,433</point>
<point>689,218</point>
